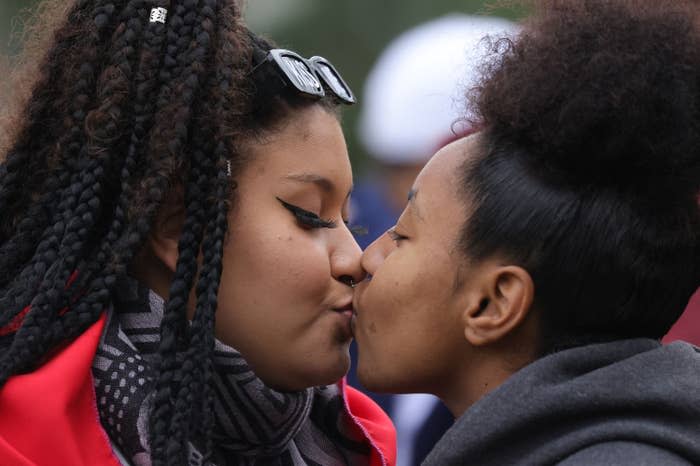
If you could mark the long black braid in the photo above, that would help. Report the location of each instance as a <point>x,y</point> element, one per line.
<point>26,160</point>
<point>55,259</point>
<point>167,421</point>
<point>196,371</point>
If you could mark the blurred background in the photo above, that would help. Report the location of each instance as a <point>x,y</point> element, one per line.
<point>350,33</point>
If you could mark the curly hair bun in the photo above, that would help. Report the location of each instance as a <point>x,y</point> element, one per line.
<point>605,92</point>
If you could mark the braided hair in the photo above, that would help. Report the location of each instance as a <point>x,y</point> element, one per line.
<point>106,134</point>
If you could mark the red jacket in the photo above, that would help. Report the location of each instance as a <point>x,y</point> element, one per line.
<point>687,328</point>
<point>49,417</point>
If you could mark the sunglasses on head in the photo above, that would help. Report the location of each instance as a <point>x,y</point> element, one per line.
<point>307,76</point>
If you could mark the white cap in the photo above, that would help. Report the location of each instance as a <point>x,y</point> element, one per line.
<point>416,91</point>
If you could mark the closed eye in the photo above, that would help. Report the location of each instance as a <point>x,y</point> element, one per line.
<point>307,219</point>
<point>396,237</point>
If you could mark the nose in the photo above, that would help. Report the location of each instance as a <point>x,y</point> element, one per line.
<point>376,252</point>
<point>345,258</point>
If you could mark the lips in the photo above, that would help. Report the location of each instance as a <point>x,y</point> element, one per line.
<point>344,305</point>
<point>345,308</point>
<point>353,325</point>
<point>345,313</point>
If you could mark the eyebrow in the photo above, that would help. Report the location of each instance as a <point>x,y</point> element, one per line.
<point>412,194</point>
<point>322,182</point>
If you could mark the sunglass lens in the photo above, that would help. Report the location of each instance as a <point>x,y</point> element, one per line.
<point>301,76</point>
<point>334,81</point>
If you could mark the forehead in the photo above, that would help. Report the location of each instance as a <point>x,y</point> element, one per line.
<point>439,204</point>
<point>310,141</point>
<point>442,174</point>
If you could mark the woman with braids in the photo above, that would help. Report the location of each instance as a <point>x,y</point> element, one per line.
<point>539,261</point>
<point>175,188</point>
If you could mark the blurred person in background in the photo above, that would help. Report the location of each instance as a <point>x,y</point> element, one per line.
<point>412,106</point>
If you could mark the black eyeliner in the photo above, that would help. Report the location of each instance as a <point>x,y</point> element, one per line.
<point>306,218</point>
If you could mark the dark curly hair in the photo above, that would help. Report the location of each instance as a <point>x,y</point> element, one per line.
<point>589,170</point>
<point>122,111</point>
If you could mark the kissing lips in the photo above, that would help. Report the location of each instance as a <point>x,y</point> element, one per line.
<point>353,323</point>
<point>347,313</point>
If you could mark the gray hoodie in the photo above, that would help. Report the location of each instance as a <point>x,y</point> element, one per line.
<point>628,402</point>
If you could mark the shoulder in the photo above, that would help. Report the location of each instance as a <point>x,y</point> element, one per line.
<point>624,453</point>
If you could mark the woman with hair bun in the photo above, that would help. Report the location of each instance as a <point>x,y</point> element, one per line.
<point>176,271</point>
<point>539,262</point>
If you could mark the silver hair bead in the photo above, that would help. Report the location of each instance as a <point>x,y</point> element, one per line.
<point>159,15</point>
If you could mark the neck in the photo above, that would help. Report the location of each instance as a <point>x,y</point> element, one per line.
<point>483,376</point>
<point>488,367</point>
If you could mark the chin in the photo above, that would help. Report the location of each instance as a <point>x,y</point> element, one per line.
<point>370,379</point>
<point>369,373</point>
<point>327,372</point>
<point>334,371</point>
<point>376,381</point>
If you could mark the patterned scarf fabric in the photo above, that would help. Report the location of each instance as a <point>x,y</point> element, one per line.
<point>254,424</point>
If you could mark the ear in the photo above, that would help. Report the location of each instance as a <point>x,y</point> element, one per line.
<point>502,303</point>
<point>167,228</point>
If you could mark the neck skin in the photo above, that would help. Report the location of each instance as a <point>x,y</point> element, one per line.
<point>485,368</point>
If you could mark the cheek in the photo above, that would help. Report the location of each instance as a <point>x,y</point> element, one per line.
<point>391,334</point>
<point>270,276</point>
<point>401,330</point>
<point>402,285</point>
<point>391,306</point>
<point>279,257</point>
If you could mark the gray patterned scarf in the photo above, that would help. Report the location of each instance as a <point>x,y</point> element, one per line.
<point>254,424</point>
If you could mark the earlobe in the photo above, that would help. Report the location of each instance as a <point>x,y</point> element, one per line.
<point>502,303</point>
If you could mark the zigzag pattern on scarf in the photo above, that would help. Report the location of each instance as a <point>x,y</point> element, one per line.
<point>255,425</point>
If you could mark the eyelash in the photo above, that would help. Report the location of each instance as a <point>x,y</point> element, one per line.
<point>395,236</point>
<point>311,220</point>
<point>306,218</point>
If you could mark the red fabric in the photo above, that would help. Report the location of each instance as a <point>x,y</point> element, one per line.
<point>687,328</point>
<point>374,424</point>
<point>49,417</point>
